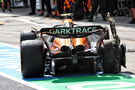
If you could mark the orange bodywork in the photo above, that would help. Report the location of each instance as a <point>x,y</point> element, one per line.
<point>80,41</point>
<point>68,21</point>
<point>59,42</point>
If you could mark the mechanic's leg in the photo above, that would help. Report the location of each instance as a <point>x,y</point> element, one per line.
<point>8,5</point>
<point>25,3</point>
<point>133,10</point>
<point>3,6</point>
<point>42,7</point>
<point>33,7</point>
<point>132,13</point>
<point>60,6</point>
<point>48,6</point>
<point>94,8</point>
<point>103,8</point>
<point>131,6</point>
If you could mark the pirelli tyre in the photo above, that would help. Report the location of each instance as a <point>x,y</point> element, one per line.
<point>111,57</point>
<point>27,35</point>
<point>32,62</point>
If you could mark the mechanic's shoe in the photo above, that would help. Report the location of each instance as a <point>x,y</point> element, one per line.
<point>41,14</point>
<point>31,13</point>
<point>59,17</point>
<point>90,20</point>
<point>10,10</point>
<point>132,21</point>
<point>48,15</point>
<point>3,10</point>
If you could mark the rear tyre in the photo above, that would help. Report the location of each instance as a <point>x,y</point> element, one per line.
<point>32,63</point>
<point>27,35</point>
<point>111,57</point>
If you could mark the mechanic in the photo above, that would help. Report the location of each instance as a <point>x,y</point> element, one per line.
<point>131,6</point>
<point>95,4</point>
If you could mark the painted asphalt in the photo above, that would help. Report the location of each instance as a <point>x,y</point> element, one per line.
<point>10,66</point>
<point>11,78</point>
<point>9,60</point>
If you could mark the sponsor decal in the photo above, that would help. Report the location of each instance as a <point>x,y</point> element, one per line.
<point>77,30</point>
<point>70,30</point>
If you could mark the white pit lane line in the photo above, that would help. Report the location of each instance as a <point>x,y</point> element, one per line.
<point>30,22</point>
<point>22,81</point>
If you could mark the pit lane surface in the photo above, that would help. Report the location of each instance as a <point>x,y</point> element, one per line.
<point>12,26</point>
<point>10,67</point>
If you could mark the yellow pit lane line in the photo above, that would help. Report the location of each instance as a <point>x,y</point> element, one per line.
<point>131,42</point>
<point>1,23</point>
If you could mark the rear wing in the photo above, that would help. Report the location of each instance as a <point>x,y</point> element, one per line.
<point>72,32</point>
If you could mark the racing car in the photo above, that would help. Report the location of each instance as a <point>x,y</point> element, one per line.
<point>69,47</point>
